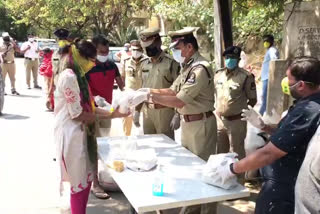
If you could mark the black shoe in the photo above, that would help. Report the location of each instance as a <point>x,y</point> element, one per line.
<point>5,93</point>
<point>14,92</point>
<point>37,87</point>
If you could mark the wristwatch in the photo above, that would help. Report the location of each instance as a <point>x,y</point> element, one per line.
<point>232,170</point>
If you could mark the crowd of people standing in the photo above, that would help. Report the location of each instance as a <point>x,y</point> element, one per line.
<point>212,108</point>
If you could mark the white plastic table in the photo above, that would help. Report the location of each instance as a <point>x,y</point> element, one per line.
<point>182,183</point>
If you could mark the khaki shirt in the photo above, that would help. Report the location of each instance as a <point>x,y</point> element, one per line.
<point>195,86</point>
<point>132,73</point>
<point>9,50</point>
<point>159,74</point>
<point>233,91</point>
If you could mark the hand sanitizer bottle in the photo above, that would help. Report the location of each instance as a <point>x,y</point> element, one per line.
<point>157,186</point>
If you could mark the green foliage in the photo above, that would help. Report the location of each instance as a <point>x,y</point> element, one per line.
<point>257,19</point>
<point>82,17</point>
<point>184,13</point>
<point>7,25</point>
<point>122,34</point>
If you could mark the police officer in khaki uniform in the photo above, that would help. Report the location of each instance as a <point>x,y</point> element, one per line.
<point>131,73</point>
<point>7,50</point>
<point>159,70</point>
<point>193,95</point>
<point>235,90</point>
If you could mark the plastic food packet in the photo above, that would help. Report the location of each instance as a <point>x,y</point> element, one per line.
<point>102,103</point>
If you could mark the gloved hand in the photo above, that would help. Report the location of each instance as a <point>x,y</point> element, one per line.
<point>147,90</point>
<point>217,170</point>
<point>252,117</point>
<point>175,122</point>
<point>137,98</point>
<point>136,118</point>
<point>224,170</point>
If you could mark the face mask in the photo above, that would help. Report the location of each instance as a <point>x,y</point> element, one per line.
<point>266,44</point>
<point>102,58</point>
<point>177,55</point>
<point>231,63</point>
<point>63,43</point>
<point>31,39</point>
<point>289,90</point>
<point>136,54</point>
<point>152,51</point>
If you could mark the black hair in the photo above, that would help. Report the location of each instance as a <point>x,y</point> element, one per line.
<point>191,40</point>
<point>306,68</point>
<point>86,48</point>
<point>268,38</point>
<point>100,40</point>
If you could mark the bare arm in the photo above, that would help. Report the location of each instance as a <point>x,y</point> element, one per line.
<point>269,128</point>
<point>120,83</point>
<point>259,158</point>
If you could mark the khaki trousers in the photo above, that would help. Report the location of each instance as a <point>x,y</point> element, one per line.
<point>103,128</point>
<point>231,135</point>
<point>200,137</point>
<point>31,66</point>
<point>9,69</point>
<point>127,125</point>
<point>157,121</point>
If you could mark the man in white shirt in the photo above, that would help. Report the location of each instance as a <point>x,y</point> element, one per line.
<point>31,62</point>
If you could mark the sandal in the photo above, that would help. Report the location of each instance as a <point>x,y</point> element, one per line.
<point>100,193</point>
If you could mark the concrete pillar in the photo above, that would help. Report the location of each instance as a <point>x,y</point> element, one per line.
<point>301,35</point>
<point>276,101</point>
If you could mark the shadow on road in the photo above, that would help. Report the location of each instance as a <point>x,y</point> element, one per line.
<point>13,117</point>
<point>24,96</point>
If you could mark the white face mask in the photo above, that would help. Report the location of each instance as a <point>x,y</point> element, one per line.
<point>177,56</point>
<point>136,54</point>
<point>102,58</point>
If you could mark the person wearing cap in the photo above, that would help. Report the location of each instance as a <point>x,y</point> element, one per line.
<point>271,54</point>
<point>8,65</point>
<point>31,62</point>
<point>235,90</point>
<point>192,94</point>
<point>64,42</point>
<point>159,70</point>
<point>282,157</point>
<point>131,73</point>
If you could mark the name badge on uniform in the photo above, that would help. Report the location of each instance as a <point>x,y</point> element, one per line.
<point>192,78</point>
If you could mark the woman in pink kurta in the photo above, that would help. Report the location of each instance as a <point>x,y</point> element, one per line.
<point>75,113</point>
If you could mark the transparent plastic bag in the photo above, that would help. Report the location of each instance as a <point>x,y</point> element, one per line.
<point>216,165</point>
<point>141,160</point>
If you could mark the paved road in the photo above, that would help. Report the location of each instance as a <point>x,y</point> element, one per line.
<point>28,175</point>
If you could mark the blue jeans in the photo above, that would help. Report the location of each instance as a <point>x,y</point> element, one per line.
<point>264,97</point>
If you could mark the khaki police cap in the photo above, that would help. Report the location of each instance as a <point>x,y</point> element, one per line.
<point>178,35</point>
<point>135,45</point>
<point>147,36</point>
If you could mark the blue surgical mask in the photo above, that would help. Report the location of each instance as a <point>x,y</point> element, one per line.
<point>231,63</point>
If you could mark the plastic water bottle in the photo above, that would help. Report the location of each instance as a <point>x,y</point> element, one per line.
<point>157,186</point>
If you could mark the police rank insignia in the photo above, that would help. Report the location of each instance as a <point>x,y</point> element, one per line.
<point>192,78</point>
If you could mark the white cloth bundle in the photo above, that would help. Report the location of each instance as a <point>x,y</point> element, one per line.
<point>217,171</point>
<point>141,160</point>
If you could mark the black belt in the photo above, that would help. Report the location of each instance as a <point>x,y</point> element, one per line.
<point>30,58</point>
<point>8,62</point>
